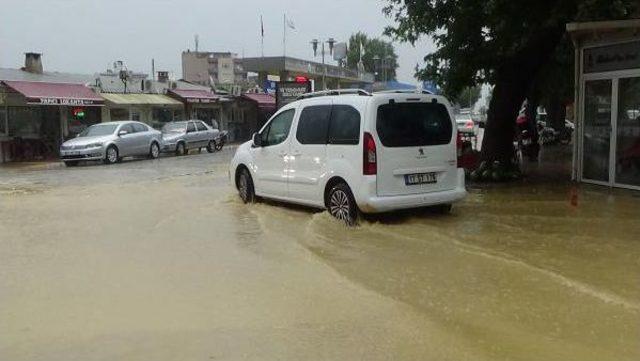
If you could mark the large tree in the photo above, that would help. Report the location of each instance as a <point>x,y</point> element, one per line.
<point>505,43</point>
<point>378,56</point>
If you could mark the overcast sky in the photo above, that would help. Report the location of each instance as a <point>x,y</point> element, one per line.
<point>86,36</point>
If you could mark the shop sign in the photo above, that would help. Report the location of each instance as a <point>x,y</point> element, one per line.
<point>289,91</point>
<point>62,101</point>
<point>612,57</point>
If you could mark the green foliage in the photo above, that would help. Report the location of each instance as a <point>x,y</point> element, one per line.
<point>379,56</point>
<point>467,97</point>
<point>476,39</point>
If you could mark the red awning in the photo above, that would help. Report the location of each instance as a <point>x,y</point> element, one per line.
<point>195,95</point>
<point>42,93</point>
<point>264,101</point>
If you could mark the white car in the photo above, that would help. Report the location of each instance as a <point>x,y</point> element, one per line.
<point>465,123</point>
<point>354,152</point>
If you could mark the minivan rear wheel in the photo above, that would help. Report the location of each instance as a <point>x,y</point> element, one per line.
<point>342,205</point>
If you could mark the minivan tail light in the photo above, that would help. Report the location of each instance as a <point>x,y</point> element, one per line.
<point>369,163</point>
<point>459,142</point>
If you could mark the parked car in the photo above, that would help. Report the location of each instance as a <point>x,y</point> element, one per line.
<point>465,124</point>
<point>354,152</point>
<point>182,136</point>
<point>110,142</point>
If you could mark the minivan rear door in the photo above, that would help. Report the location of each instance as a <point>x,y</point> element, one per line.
<point>415,147</point>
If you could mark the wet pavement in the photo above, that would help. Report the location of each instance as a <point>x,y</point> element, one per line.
<point>158,260</point>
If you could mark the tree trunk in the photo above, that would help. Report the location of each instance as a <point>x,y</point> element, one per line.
<point>497,143</point>
<point>513,81</point>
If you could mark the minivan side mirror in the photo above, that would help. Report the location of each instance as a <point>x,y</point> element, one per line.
<point>122,132</point>
<point>257,140</point>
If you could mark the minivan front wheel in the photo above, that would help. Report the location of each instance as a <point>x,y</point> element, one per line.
<point>245,187</point>
<point>342,205</point>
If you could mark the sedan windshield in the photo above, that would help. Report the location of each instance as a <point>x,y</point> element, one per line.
<point>98,130</point>
<point>174,128</point>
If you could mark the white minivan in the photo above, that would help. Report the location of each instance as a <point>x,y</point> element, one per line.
<point>351,151</point>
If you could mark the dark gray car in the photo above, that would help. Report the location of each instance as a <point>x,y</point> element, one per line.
<point>180,137</point>
<point>111,141</point>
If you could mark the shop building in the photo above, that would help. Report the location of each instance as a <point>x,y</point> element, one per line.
<point>200,104</point>
<point>152,109</point>
<point>607,98</point>
<point>39,110</point>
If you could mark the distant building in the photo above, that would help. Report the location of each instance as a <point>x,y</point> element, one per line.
<point>212,68</point>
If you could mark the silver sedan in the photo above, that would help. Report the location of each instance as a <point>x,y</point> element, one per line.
<point>180,137</point>
<point>112,141</point>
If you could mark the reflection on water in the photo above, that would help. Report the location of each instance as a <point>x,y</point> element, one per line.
<point>513,272</point>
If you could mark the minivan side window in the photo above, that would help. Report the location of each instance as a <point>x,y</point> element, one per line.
<point>345,125</point>
<point>278,129</point>
<point>314,124</point>
<point>413,124</point>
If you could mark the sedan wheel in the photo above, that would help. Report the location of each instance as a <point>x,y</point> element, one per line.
<point>154,151</point>
<point>180,149</point>
<point>342,205</point>
<point>211,147</point>
<point>112,155</point>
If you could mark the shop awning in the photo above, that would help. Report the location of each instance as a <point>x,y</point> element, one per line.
<point>44,93</point>
<point>265,102</point>
<point>140,99</point>
<point>196,96</point>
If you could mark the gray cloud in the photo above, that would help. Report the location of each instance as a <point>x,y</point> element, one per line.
<point>88,35</point>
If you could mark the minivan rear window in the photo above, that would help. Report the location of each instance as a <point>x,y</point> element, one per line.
<point>413,124</point>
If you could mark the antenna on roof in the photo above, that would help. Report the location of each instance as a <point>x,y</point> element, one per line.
<point>196,38</point>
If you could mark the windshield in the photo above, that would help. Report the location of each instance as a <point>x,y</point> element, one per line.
<point>174,128</point>
<point>98,130</point>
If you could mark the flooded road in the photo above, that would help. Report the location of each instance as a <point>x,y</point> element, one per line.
<point>158,260</point>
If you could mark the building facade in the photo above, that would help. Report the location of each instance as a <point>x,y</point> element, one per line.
<point>607,103</point>
<point>212,68</point>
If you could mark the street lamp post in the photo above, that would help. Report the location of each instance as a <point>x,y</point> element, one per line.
<point>314,45</point>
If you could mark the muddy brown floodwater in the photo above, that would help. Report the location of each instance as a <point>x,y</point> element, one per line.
<point>158,260</point>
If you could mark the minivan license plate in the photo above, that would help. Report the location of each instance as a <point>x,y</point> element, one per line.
<point>419,178</point>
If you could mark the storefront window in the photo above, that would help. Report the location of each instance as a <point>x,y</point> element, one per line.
<point>628,132</point>
<point>161,116</point>
<point>597,130</point>
<point>24,121</point>
<point>208,115</point>
<point>79,118</point>
<point>119,114</point>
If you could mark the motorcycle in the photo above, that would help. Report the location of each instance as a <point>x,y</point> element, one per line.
<point>526,146</point>
<point>222,138</point>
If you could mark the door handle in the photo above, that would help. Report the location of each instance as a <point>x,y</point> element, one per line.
<point>296,153</point>
<point>282,153</point>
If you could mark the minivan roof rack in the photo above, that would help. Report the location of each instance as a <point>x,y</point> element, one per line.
<point>325,93</point>
<point>404,91</point>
